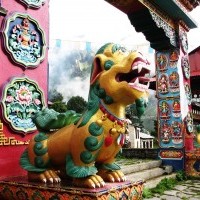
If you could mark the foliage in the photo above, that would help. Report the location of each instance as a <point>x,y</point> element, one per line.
<point>164,184</point>
<point>77,104</point>
<point>181,175</point>
<point>57,101</point>
<point>55,96</point>
<point>147,193</point>
<point>198,128</point>
<point>59,106</point>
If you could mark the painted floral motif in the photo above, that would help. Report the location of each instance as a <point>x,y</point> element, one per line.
<point>22,99</point>
<point>175,154</point>
<point>24,40</point>
<point>33,3</point>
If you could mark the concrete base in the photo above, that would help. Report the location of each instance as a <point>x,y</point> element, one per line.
<point>17,188</point>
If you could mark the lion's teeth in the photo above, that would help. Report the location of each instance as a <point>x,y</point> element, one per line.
<point>139,68</point>
<point>136,80</point>
<point>134,67</point>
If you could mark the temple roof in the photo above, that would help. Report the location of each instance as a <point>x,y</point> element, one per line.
<point>158,19</point>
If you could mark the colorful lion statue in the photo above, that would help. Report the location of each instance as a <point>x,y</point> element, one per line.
<point>84,147</point>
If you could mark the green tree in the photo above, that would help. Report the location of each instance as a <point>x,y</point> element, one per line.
<point>56,101</point>
<point>77,103</point>
<point>55,96</point>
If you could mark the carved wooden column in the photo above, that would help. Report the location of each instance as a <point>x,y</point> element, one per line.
<point>160,22</point>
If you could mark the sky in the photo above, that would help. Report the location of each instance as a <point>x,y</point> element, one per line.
<point>98,21</point>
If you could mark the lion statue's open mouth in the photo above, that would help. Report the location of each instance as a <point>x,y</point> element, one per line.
<point>136,77</point>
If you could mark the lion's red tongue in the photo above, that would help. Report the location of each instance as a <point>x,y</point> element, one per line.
<point>139,83</point>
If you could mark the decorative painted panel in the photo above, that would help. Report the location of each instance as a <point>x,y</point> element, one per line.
<point>171,154</point>
<point>169,31</point>
<point>24,40</point>
<point>7,141</point>
<point>22,98</point>
<point>33,3</point>
<point>170,129</point>
<point>20,188</point>
<point>167,74</point>
<point>168,92</point>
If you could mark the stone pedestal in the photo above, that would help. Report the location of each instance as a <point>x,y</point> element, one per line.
<point>19,188</point>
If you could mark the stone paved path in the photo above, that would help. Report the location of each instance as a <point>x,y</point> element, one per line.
<point>188,190</point>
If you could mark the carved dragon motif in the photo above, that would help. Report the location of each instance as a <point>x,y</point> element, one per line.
<point>86,146</point>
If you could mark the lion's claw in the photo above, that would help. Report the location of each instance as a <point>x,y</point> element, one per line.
<point>112,176</point>
<point>93,181</point>
<point>47,176</point>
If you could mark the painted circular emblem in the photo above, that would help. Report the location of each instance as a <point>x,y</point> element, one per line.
<point>22,98</point>
<point>189,122</point>
<point>24,40</point>
<point>33,3</point>
<point>188,93</point>
<point>184,41</point>
<point>186,66</point>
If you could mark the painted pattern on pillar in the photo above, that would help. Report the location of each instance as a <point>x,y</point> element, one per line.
<point>170,128</point>
<point>168,92</point>
<point>22,99</point>
<point>167,74</point>
<point>24,40</point>
<point>33,3</point>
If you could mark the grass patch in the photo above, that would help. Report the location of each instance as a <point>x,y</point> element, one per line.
<point>164,184</point>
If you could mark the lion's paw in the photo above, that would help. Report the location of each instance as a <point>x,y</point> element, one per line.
<point>112,176</point>
<point>93,181</point>
<point>46,176</point>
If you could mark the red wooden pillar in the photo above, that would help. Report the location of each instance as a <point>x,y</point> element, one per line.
<point>23,76</point>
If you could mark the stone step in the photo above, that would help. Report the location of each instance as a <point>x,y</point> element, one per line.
<point>129,169</point>
<point>151,172</point>
<point>151,183</point>
<point>146,174</point>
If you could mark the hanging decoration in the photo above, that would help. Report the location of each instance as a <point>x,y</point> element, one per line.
<point>22,99</point>
<point>24,40</point>
<point>33,3</point>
